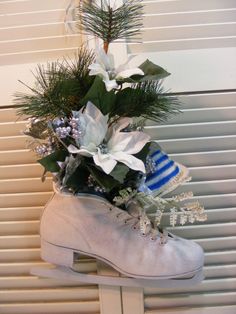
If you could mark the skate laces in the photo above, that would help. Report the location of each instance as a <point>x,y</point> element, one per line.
<point>138,220</point>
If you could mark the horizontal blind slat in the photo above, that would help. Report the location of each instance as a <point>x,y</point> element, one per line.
<point>34,295</point>
<point>39,44</point>
<point>214,187</point>
<point>24,199</point>
<point>21,171</point>
<point>37,56</point>
<point>173,6</point>
<point>206,299</point>
<point>19,255</point>
<point>19,227</point>
<point>189,32</point>
<point>191,130</point>
<point>20,213</point>
<point>208,100</point>
<point>189,18</point>
<point>17,156</point>
<point>25,185</point>
<point>31,18</point>
<point>50,307</point>
<point>213,172</point>
<point>199,144</point>
<point>217,243</point>
<point>13,142</point>
<point>219,284</point>
<point>195,115</point>
<point>228,309</point>
<point>208,158</point>
<point>183,44</point>
<point>205,115</point>
<point>16,282</point>
<point>205,230</point>
<point>19,241</point>
<point>14,269</point>
<point>11,7</point>
<point>217,271</point>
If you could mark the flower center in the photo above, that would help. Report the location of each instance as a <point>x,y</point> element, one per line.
<point>103,148</point>
<point>111,73</point>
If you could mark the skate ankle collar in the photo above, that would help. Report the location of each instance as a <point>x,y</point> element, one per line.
<point>66,192</point>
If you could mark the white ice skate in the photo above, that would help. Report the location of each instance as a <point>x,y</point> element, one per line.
<point>90,225</point>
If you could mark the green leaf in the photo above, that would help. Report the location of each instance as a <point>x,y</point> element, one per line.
<point>78,180</point>
<point>119,172</point>
<point>100,97</point>
<point>144,152</point>
<point>50,162</point>
<point>104,180</point>
<point>152,71</point>
<point>124,102</point>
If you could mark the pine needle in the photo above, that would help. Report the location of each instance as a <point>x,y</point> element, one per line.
<point>110,23</point>
<point>148,100</point>
<point>59,87</point>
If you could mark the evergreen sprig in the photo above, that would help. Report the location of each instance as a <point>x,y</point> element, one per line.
<point>59,87</point>
<point>110,23</point>
<point>146,99</point>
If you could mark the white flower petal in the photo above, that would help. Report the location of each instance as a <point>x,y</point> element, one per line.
<point>94,112</point>
<point>122,123</point>
<point>94,125</point>
<point>125,65</point>
<point>105,162</point>
<point>105,60</point>
<point>118,141</point>
<point>110,84</point>
<point>129,160</point>
<point>119,125</point>
<point>72,149</point>
<point>137,142</point>
<point>129,73</point>
<point>129,142</point>
<point>96,69</point>
<point>83,151</point>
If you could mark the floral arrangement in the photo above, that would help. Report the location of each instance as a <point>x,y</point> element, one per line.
<point>87,117</point>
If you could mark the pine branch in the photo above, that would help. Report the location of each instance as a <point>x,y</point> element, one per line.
<point>110,23</point>
<point>148,100</point>
<point>59,88</point>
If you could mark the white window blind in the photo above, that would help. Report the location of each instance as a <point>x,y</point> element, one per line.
<point>195,41</point>
<point>187,24</point>
<point>202,139</point>
<point>32,31</point>
<point>22,197</point>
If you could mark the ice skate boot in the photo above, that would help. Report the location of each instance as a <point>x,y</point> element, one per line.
<point>90,225</point>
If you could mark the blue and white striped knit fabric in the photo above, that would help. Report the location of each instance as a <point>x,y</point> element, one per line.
<point>166,175</point>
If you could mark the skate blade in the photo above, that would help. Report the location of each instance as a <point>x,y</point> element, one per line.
<point>65,273</point>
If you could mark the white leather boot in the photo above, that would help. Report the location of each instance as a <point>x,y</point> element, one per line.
<point>90,225</point>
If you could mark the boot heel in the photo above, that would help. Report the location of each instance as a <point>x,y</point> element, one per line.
<point>56,254</point>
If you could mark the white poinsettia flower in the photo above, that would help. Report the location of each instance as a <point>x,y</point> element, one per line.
<point>109,145</point>
<point>105,68</point>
